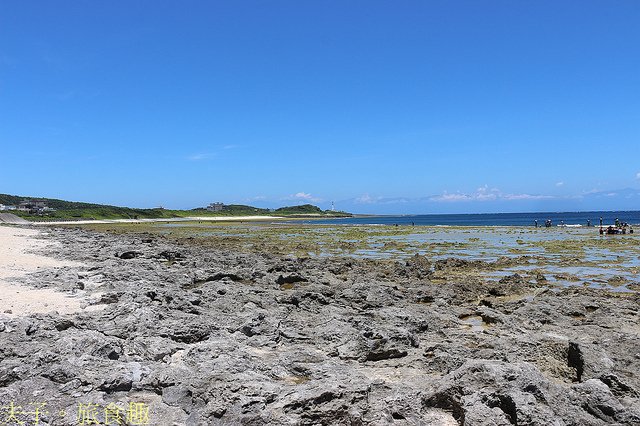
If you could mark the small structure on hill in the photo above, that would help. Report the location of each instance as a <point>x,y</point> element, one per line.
<point>215,207</point>
<point>34,206</point>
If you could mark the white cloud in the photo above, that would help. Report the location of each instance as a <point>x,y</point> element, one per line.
<point>486,197</point>
<point>485,194</point>
<point>591,191</point>
<point>559,184</point>
<point>527,197</point>
<point>368,199</point>
<point>638,175</point>
<point>451,197</point>
<point>303,196</point>
<point>199,156</point>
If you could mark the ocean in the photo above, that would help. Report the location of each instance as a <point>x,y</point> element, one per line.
<point>492,219</point>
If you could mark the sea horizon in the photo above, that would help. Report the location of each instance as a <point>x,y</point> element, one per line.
<point>484,213</point>
<point>575,218</point>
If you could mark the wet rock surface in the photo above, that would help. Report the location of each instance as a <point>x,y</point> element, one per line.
<point>204,337</point>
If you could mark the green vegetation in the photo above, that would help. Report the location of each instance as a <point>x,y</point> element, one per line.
<point>52,202</point>
<point>303,209</point>
<point>101,212</point>
<point>232,210</point>
<point>308,209</point>
<point>69,210</point>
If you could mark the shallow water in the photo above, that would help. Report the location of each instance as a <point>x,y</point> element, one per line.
<point>475,323</point>
<point>565,256</point>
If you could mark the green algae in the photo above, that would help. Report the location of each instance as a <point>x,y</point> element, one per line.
<point>595,259</point>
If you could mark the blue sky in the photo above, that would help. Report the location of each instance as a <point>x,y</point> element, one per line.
<point>382,107</point>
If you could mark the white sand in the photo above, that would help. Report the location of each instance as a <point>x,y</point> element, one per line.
<point>18,257</point>
<point>175,219</point>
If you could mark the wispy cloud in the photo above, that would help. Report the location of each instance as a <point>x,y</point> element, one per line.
<point>595,193</point>
<point>255,198</point>
<point>370,199</point>
<point>303,196</point>
<point>638,175</point>
<point>367,199</point>
<point>527,197</point>
<point>559,184</point>
<point>451,197</point>
<point>211,153</point>
<point>199,156</point>
<point>484,193</point>
<point>591,191</point>
<point>486,198</point>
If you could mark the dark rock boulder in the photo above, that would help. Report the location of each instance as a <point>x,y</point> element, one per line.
<point>171,255</point>
<point>291,279</point>
<point>129,255</point>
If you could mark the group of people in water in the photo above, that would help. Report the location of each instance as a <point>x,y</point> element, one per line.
<point>547,223</point>
<point>618,228</point>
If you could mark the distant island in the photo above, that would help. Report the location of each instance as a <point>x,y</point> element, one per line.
<point>42,209</point>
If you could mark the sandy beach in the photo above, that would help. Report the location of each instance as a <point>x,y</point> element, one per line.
<point>176,219</point>
<point>19,256</point>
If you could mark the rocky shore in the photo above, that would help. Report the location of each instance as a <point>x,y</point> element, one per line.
<point>205,336</point>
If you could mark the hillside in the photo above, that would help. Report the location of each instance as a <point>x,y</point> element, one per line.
<point>71,210</point>
<point>232,210</point>
<point>308,210</point>
<point>52,202</point>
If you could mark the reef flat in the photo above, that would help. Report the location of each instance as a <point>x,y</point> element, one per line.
<point>295,324</point>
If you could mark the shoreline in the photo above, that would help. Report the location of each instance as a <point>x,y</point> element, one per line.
<point>363,219</point>
<point>207,334</point>
<point>176,219</point>
<point>21,255</point>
